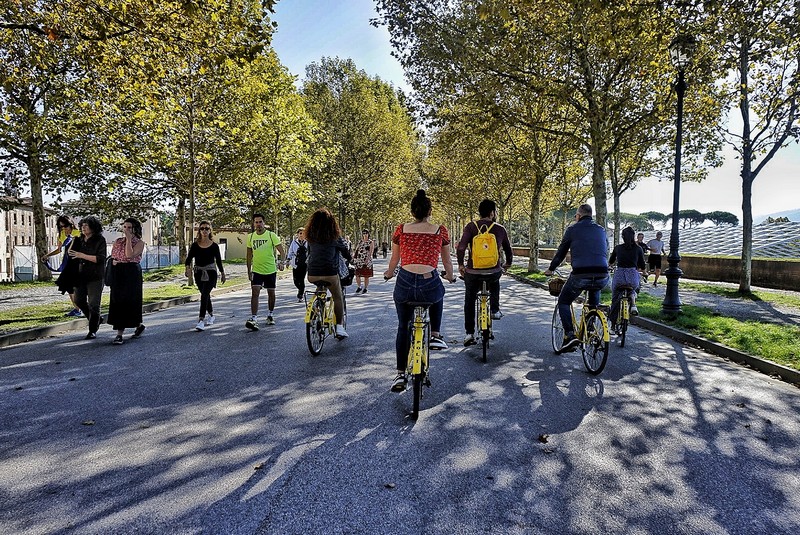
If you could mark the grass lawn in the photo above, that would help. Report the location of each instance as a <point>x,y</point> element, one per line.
<point>778,343</point>
<point>41,315</point>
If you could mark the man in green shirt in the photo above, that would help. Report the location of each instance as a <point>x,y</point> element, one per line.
<point>261,268</point>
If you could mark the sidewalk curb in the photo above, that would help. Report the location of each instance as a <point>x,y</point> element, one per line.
<point>783,373</point>
<point>28,335</point>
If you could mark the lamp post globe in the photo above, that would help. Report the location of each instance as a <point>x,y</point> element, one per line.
<point>681,50</point>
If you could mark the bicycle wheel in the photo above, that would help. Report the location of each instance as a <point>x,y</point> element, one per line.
<point>416,381</point>
<point>622,321</point>
<point>557,331</point>
<point>315,330</point>
<point>595,347</point>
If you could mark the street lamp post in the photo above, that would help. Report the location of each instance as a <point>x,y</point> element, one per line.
<point>680,51</point>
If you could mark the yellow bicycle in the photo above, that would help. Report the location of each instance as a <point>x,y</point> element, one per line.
<point>320,318</point>
<point>418,353</point>
<point>623,318</point>
<point>591,331</point>
<point>484,318</point>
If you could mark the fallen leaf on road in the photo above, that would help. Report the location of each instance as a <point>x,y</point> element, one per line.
<point>389,485</point>
<point>259,466</point>
<point>87,422</point>
<point>543,438</point>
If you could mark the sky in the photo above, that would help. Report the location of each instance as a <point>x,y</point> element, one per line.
<point>310,29</point>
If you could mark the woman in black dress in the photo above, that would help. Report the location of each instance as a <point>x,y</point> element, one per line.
<point>125,307</point>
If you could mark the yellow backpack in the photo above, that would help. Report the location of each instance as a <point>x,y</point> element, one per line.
<point>484,251</point>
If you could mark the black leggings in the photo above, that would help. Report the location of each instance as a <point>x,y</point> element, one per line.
<point>205,288</point>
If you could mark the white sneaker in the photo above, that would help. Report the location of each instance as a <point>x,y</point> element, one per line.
<point>201,326</point>
<point>497,315</point>
<point>270,320</point>
<point>209,320</point>
<point>469,340</point>
<point>340,332</point>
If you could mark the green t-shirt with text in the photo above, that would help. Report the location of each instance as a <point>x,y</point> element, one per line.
<point>263,246</point>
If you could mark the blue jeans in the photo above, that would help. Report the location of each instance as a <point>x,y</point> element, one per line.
<point>412,287</point>
<point>572,289</point>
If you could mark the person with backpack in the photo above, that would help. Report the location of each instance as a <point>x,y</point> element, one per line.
<point>483,238</point>
<point>297,256</point>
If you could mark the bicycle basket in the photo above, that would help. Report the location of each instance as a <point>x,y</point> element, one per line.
<point>555,285</point>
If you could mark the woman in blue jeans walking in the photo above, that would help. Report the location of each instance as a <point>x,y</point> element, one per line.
<point>417,247</point>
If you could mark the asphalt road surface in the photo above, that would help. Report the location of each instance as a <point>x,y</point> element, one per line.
<point>235,432</point>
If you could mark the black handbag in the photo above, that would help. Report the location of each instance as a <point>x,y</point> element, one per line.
<point>108,276</point>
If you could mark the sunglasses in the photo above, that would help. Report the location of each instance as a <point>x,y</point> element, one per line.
<point>205,228</point>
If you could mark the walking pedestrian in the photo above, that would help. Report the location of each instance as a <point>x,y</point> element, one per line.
<point>125,305</point>
<point>297,256</point>
<point>207,258</point>
<point>363,261</point>
<point>89,254</point>
<point>262,268</point>
<point>67,233</point>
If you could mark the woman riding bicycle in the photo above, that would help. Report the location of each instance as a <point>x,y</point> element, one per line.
<point>417,246</point>
<point>325,246</point>
<point>630,260</point>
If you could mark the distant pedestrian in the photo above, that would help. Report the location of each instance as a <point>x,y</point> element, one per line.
<point>67,233</point>
<point>645,251</point>
<point>89,254</point>
<point>362,259</point>
<point>384,248</point>
<point>207,260</point>
<point>297,256</point>
<point>656,248</point>
<point>125,305</point>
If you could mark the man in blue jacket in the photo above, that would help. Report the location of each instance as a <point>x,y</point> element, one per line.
<point>587,242</point>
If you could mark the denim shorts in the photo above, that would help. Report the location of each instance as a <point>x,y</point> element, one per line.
<point>427,287</point>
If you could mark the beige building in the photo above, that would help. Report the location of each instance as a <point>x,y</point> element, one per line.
<point>17,238</point>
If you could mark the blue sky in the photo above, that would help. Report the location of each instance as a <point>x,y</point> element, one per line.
<point>311,29</point>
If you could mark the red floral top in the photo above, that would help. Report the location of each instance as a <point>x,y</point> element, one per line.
<point>118,250</point>
<point>421,248</point>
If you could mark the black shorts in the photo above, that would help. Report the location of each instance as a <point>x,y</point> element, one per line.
<point>654,261</point>
<point>267,281</point>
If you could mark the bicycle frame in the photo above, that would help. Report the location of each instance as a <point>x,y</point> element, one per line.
<point>484,316</point>
<point>420,333</point>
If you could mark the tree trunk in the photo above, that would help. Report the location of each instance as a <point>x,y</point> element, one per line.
<point>533,232</point>
<point>39,228</point>
<point>598,183</point>
<point>747,229</point>
<point>616,220</point>
<point>180,213</point>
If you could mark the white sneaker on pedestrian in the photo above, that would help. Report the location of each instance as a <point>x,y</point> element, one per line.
<point>209,320</point>
<point>340,332</point>
<point>201,326</point>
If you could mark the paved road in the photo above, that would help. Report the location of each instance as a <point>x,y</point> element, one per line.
<point>233,432</point>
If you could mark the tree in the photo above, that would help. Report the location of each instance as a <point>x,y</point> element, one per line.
<point>58,102</point>
<point>656,219</point>
<point>369,131</point>
<point>689,218</point>
<point>760,49</point>
<point>722,218</point>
